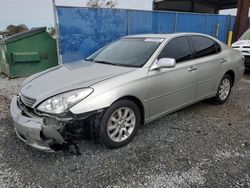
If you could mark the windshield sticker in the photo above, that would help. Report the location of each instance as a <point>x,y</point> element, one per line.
<point>153,40</point>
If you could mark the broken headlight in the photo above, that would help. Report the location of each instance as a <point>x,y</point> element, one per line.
<point>62,102</point>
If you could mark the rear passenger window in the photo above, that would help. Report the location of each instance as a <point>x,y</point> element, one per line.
<point>178,49</point>
<point>204,46</point>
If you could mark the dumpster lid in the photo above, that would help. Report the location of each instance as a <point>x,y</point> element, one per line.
<point>24,34</point>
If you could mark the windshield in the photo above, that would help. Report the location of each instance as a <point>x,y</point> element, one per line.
<point>246,35</point>
<point>130,52</point>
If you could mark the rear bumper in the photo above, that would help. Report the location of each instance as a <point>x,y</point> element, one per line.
<point>31,129</point>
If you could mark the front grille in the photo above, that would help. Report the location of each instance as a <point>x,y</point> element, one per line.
<point>27,101</point>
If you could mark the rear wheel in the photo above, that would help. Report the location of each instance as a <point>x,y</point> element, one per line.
<point>224,90</point>
<point>119,124</point>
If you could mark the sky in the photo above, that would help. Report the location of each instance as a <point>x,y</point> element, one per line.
<point>33,13</point>
<point>36,13</point>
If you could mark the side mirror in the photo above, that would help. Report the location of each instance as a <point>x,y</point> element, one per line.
<point>164,63</point>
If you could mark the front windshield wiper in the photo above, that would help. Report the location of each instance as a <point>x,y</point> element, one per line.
<point>116,64</point>
<point>86,59</point>
<point>105,62</point>
<point>109,63</point>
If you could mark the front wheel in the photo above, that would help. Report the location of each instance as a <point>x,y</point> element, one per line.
<point>119,124</point>
<point>224,90</point>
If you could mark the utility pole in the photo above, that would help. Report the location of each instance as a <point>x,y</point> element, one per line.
<point>57,32</point>
<point>241,23</point>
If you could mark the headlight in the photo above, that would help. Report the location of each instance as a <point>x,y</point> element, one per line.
<point>62,102</point>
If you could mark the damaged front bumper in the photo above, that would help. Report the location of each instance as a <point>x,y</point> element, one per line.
<point>28,129</point>
<point>44,133</point>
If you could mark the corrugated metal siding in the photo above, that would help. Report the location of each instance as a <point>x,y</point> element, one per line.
<point>85,30</point>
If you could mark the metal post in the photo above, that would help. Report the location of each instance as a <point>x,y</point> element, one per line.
<point>206,24</point>
<point>217,30</point>
<point>128,23</point>
<point>57,32</point>
<point>175,22</point>
<point>228,34</point>
<point>229,39</point>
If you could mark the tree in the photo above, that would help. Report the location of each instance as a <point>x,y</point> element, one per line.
<point>13,29</point>
<point>101,3</point>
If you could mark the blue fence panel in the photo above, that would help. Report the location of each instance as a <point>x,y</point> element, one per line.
<point>232,21</point>
<point>85,30</point>
<point>140,22</point>
<point>218,26</point>
<point>191,23</point>
<point>164,22</point>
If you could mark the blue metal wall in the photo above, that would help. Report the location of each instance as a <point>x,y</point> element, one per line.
<point>85,30</point>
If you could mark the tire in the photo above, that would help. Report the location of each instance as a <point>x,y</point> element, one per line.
<point>225,87</point>
<point>119,124</point>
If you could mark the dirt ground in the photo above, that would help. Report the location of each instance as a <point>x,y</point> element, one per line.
<point>203,145</point>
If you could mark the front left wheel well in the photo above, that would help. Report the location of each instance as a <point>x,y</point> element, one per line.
<point>138,103</point>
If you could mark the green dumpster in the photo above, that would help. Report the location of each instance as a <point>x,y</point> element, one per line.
<point>27,53</point>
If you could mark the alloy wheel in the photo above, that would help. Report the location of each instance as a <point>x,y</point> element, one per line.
<point>121,124</point>
<point>224,89</point>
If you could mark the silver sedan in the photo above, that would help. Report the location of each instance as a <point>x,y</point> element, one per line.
<point>130,82</point>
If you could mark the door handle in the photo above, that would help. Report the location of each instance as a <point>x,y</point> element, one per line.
<point>192,68</point>
<point>223,60</point>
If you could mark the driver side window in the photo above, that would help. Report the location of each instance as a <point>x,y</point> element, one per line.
<point>178,49</point>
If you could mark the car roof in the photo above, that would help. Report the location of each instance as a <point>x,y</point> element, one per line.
<point>165,36</point>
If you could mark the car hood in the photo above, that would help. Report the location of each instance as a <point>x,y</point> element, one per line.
<point>68,77</point>
<point>242,43</point>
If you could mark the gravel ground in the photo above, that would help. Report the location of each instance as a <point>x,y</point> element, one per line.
<point>203,145</point>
